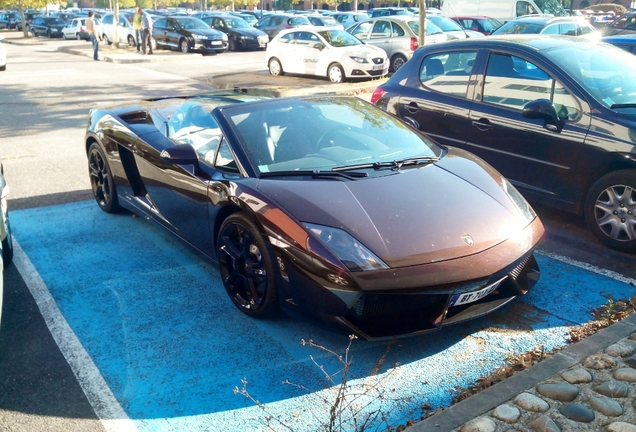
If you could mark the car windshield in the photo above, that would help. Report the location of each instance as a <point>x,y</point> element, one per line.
<point>431,28</point>
<point>236,23</point>
<point>339,38</point>
<point>445,24</point>
<point>603,70</point>
<point>53,21</point>
<point>320,133</point>
<point>192,23</point>
<point>519,27</point>
<point>490,24</point>
<point>299,21</point>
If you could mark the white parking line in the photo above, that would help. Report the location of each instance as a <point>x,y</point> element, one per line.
<point>589,267</point>
<point>99,395</point>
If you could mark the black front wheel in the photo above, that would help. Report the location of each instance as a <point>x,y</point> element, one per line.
<point>246,267</point>
<point>610,210</point>
<point>184,46</point>
<point>102,180</point>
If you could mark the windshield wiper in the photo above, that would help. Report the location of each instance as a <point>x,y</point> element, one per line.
<point>623,105</point>
<point>396,164</point>
<point>316,174</point>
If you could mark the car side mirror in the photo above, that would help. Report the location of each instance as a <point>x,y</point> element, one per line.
<point>319,46</point>
<point>182,154</point>
<point>543,109</point>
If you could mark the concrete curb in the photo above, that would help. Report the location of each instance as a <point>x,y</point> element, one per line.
<point>124,57</point>
<point>489,399</point>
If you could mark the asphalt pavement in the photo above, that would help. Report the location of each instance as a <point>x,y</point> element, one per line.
<point>589,386</point>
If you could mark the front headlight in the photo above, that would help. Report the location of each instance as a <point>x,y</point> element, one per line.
<point>351,252</point>
<point>520,202</point>
<point>359,59</point>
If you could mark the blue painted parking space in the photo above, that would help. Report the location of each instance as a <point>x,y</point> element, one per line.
<point>157,324</point>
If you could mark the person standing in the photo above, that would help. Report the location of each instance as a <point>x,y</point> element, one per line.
<point>92,31</point>
<point>137,27</point>
<point>146,24</point>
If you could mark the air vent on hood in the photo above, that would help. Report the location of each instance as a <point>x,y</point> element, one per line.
<point>137,117</point>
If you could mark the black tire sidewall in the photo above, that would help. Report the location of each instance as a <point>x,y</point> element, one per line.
<point>112,206</point>
<point>624,177</point>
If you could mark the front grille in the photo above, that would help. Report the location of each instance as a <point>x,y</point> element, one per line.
<point>382,315</point>
<point>375,73</point>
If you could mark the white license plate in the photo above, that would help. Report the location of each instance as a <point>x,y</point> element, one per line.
<point>378,67</point>
<point>217,42</point>
<point>462,299</point>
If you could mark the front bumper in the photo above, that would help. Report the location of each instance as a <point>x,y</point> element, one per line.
<point>210,45</point>
<point>411,300</point>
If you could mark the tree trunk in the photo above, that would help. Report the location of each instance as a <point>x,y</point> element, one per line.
<point>422,15</point>
<point>116,25</point>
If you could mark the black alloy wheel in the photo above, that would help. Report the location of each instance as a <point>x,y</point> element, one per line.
<point>246,267</point>
<point>231,45</point>
<point>610,210</point>
<point>102,180</point>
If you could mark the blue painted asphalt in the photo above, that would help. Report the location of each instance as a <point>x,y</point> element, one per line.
<point>156,321</point>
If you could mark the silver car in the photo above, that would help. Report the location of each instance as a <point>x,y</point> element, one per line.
<point>397,35</point>
<point>347,19</point>
<point>272,24</point>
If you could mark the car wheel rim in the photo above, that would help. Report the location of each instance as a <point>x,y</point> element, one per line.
<point>242,267</point>
<point>615,212</point>
<point>184,47</point>
<point>131,41</point>
<point>398,63</point>
<point>100,178</point>
<point>335,74</point>
<point>274,68</point>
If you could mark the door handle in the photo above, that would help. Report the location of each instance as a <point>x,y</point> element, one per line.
<point>412,108</point>
<point>482,124</point>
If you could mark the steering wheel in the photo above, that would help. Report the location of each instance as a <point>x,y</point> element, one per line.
<point>327,136</point>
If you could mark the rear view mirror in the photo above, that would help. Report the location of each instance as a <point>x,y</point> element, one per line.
<point>543,109</point>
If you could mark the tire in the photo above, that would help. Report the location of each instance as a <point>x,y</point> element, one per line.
<point>131,41</point>
<point>101,179</point>
<point>335,73</point>
<point>246,267</point>
<point>275,68</point>
<point>610,210</point>
<point>3,68</point>
<point>105,39</point>
<point>184,46</point>
<point>7,245</point>
<point>231,45</point>
<point>78,37</point>
<point>397,61</point>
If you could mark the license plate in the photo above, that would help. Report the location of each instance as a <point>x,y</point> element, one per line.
<point>217,42</point>
<point>470,297</point>
<point>378,67</point>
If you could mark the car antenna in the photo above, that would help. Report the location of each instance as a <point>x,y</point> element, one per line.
<point>454,14</point>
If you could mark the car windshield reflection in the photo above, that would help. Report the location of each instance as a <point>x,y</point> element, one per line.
<point>605,71</point>
<point>321,134</point>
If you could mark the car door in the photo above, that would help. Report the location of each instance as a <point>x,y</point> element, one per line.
<point>172,33</point>
<point>382,36</point>
<point>36,27</point>
<point>440,96</point>
<point>159,31</point>
<point>306,51</point>
<point>538,158</point>
<point>287,52</point>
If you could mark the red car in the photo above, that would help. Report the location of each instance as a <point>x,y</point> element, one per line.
<point>480,24</point>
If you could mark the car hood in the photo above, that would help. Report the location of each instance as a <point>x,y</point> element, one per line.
<point>247,31</point>
<point>206,32</point>
<point>413,216</point>
<point>458,34</point>
<point>363,51</point>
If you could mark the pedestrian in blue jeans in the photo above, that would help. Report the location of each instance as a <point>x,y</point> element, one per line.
<point>92,31</point>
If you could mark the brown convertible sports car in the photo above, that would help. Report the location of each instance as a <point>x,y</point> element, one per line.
<point>324,206</point>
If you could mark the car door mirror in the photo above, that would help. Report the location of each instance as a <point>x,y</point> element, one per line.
<point>543,109</point>
<point>319,46</point>
<point>182,154</point>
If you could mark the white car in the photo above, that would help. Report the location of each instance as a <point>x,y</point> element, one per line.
<point>76,29</point>
<point>125,32</point>
<point>3,56</point>
<point>324,51</point>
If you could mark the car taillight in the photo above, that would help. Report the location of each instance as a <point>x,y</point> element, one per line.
<point>414,43</point>
<point>288,27</point>
<point>377,94</point>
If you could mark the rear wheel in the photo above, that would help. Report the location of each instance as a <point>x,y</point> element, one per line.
<point>102,180</point>
<point>246,267</point>
<point>131,41</point>
<point>610,210</point>
<point>397,61</point>
<point>105,39</point>
<point>184,46</point>
<point>275,68</point>
<point>335,73</point>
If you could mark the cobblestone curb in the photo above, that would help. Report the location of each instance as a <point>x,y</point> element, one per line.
<point>589,386</point>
